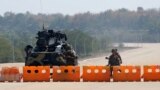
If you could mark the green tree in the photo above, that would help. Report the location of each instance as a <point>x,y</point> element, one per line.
<point>5,50</point>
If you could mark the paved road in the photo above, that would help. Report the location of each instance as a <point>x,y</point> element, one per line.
<point>148,54</point>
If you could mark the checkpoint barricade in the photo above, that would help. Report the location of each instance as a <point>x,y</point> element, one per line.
<point>151,73</point>
<point>66,73</point>
<point>96,73</point>
<point>126,73</point>
<point>10,74</point>
<point>36,73</point>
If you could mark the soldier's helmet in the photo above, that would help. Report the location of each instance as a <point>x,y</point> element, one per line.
<point>113,50</point>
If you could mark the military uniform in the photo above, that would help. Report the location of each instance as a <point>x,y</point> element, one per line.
<point>114,60</point>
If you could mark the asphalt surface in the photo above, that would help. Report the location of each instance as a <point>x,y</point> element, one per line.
<point>149,54</point>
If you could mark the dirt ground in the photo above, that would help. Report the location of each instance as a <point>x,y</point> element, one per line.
<point>149,54</point>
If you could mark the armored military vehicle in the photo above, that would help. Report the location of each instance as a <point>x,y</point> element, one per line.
<point>51,49</point>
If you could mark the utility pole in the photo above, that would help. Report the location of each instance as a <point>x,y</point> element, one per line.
<point>12,46</point>
<point>92,46</point>
<point>84,48</point>
<point>13,52</point>
<point>75,42</point>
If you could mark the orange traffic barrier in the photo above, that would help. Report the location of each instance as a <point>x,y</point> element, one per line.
<point>126,73</point>
<point>36,73</point>
<point>66,73</point>
<point>96,73</point>
<point>4,74</point>
<point>151,73</point>
<point>10,74</point>
<point>0,76</point>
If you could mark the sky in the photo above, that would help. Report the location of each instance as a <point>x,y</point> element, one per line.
<point>72,7</point>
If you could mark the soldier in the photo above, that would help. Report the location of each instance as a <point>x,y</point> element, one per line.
<point>114,60</point>
<point>42,42</point>
<point>63,37</point>
<point>60,37</point>
<point>70,56</point>
<point>57,35</point>
<point>52,38</point>
<point>28,51</point>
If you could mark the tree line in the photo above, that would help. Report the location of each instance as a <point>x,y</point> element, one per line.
<point>87,32</point>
